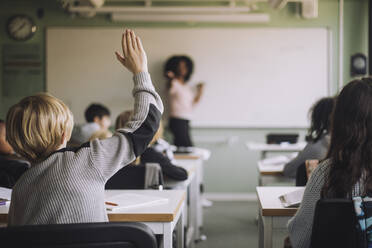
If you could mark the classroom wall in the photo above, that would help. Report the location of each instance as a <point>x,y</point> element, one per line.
<point>231,168</point>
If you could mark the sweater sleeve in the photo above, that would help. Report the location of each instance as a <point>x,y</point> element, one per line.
<point>300,226</point>
<point>311,151</point>
<point>110,155</point>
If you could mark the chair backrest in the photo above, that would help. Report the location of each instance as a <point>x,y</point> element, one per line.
<point>133,177</point>
<point>86,235</point>
<point>277,138</point>
<point>301,176</point>
<point>335,224</point>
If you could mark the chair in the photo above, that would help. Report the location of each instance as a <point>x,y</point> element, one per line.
<point>134,177</point>
<point>301,176</point>
<point>335,224</point>
<point>87,235</point>
<point>277,138</point>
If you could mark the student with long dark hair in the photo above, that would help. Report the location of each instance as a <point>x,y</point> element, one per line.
<point>182,99</point>
<point>347,172</point>
<point>317,137</point>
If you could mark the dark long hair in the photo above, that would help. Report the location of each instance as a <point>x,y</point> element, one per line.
<point>350,150</point>
<point>172,65</point>
<point>320,119</point>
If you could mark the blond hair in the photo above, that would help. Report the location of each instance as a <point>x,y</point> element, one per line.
<point>101,134</point>
<point>38,125</point>
<point>125,116</point>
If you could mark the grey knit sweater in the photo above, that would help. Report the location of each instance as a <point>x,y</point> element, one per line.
<point>313,150</point>
<point>300,226</point>
<point>68,186</point>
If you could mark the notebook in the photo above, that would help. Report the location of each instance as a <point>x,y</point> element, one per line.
<point>293,198</point>
<point>130,201</point>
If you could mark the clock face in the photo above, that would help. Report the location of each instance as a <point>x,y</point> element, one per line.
<point>21,27</point>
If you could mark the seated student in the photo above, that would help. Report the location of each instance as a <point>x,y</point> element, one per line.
<point>348,169</point>
<point>11,166</point>
<point>154,154</point>
<point>98,119</point>
<point>65,185</point>
<point>101,134</point>
<point>317,138</point>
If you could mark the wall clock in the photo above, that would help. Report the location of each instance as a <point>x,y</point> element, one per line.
<point>21,27</point>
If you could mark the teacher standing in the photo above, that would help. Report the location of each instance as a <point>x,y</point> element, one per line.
<point>182,98</point>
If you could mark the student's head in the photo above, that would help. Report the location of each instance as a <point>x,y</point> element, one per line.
<point>320,114</point>
<point>351,139</point>
<point>99,114</point>
<point>181,67</point>
<point>5,147</point>
<point>123,118</point>
<point>38,125</point>
<point>101,134</point>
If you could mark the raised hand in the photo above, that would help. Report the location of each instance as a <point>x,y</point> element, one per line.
<point>134,56</point>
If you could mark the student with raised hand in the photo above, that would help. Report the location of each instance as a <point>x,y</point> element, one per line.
<point>347,170</point>
<point>156,153</point>
<point>318,137</point>
<point>67,186</point>
<point>182,99</point>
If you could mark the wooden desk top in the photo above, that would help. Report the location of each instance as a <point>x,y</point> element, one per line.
<point>271,170</point>
<point>276,147</point>
<point>195,154</point>
<point>186,156</point>
<point>268,198</point>
<point>155,213</point>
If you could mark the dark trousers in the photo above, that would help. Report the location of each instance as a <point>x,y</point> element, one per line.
<point>181,132</point>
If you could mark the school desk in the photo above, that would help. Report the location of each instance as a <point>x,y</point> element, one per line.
<point>277,148</point>
<point>271,174</point>
<point>193,199</point>
<point>271,213</point>
<point>163,219</point>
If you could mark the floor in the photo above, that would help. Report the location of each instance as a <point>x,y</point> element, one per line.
<point>233,224</point>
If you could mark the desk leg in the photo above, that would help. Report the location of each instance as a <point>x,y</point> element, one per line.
<point>260,229</point>
<point>199,196</point>
<point>180,232</point>
<point>193,207</point>
<point>267,231</point>
<point>167,236</point>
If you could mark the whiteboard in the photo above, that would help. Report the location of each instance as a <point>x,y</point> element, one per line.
<point>255,77</point>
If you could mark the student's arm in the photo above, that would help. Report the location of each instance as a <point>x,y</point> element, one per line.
<point>129,142</point>
<point>311,151</point>
<point>300,226</point>
<point>199,93</point>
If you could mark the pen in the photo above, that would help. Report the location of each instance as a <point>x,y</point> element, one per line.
<point>111,204</point>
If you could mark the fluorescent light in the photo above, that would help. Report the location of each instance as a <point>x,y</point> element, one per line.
<point>226,18</point>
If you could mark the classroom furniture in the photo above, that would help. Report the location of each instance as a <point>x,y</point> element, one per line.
<point>271,174</point>
<point>278,138</point>
<point>133,177</point>
<point>191,185</point>
<point>261,49</point>
<point>275,148</point>
<point>198,156</point>
<point>162,219</point>
<point>301,175</point>
<point>85,235</point>
<point>271,213</point>
<point>335,224</point>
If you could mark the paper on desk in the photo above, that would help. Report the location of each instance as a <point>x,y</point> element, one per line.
<point>5,193</point>
<point>130,201</point>
<point>293,198</point>
<point>271,167</point>
<point>277,160</point>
